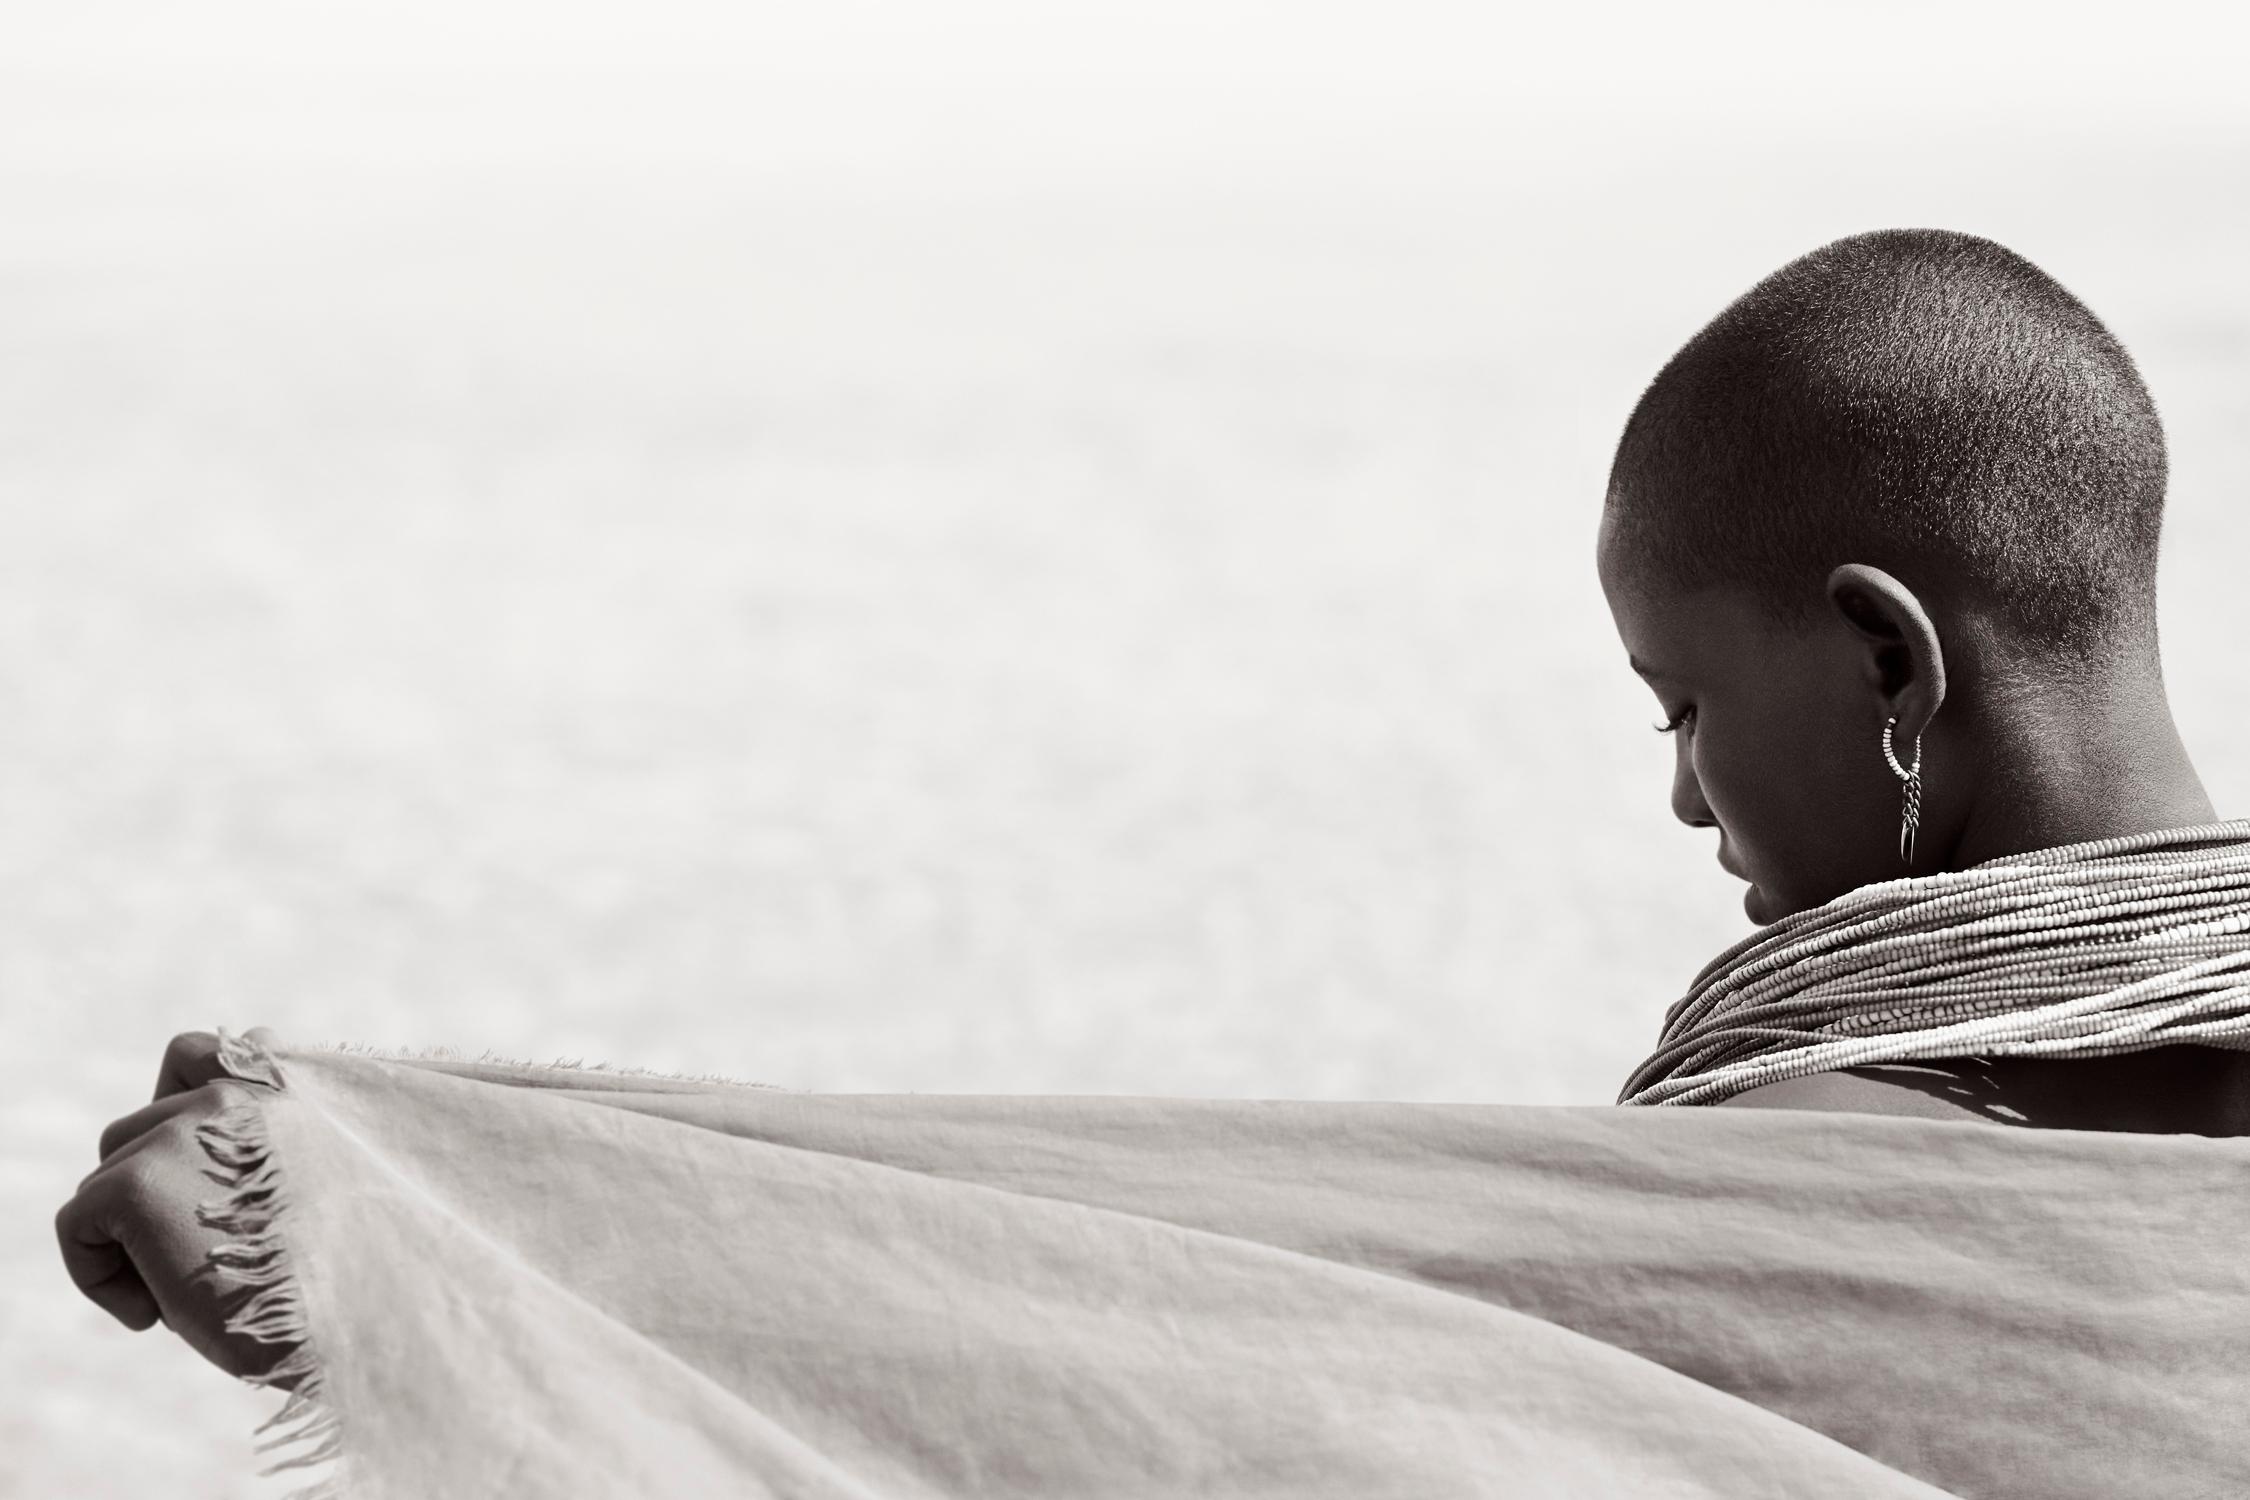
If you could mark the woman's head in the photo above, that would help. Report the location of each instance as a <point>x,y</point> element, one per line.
<point>1906,464</point>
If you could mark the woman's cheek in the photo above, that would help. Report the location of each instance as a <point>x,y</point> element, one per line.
<point>1755,803</point>
<point>1719,774</point>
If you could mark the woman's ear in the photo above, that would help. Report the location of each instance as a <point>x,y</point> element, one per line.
<point>1905,662</point>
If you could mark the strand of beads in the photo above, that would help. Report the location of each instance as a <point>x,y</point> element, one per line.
<point>2083,951</point>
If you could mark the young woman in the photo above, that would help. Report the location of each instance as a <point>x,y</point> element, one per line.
<point>1882,539</point>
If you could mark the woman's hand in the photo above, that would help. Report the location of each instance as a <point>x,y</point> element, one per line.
<point>130,1236</point>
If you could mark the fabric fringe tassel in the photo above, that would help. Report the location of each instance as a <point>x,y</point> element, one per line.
<point>305,1431</point>
<point>443,1054</point>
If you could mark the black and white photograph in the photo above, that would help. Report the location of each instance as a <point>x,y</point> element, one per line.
<point>991,749</point>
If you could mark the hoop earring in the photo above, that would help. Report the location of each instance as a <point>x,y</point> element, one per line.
<point>1910,819</point>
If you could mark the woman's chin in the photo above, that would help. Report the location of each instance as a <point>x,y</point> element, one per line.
<point>1765,908</point>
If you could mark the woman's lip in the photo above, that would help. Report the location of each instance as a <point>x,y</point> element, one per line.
<point>1727,864</point>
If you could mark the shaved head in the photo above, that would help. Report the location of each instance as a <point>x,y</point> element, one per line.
<point>1926,402</point>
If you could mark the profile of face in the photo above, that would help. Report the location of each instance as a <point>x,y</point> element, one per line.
<point>1778,727</point>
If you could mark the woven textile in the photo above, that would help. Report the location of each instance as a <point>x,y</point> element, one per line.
<point>524,1281</point>
<point>2082,951</point>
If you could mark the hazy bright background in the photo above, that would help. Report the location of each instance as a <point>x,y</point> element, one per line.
<point>941,547</point>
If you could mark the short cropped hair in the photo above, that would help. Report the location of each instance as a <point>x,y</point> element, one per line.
<point>1927,402</point>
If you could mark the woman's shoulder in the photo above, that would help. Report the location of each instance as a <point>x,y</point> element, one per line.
<point>1900,1089</point>
<point>2176,1090</point>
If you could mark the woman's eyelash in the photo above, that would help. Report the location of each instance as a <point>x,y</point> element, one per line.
<point>1676,722</point>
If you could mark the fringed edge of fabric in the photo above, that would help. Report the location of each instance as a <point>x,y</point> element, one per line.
<point>442,1055</point>
<point>255,1257</point>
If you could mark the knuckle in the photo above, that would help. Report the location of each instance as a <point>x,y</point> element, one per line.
<point>208,1101</point>
<point>187,1046</point>
<point>135,1182</point>
<point>154,1172</point>
<point>115,1135</point>
<point>175,1136</point>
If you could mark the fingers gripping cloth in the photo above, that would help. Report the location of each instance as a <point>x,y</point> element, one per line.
<point>2082,951</point>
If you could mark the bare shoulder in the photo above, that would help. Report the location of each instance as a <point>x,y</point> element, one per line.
<point>1896,1090</point>
<point>2174,1090</point>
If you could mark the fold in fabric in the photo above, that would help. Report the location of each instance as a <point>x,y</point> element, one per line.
<point>518,1280</point>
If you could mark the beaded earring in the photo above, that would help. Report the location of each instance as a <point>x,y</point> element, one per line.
<point>1910,820</point>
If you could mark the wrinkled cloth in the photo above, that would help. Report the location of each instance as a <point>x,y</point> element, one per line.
<point>557,1282</point>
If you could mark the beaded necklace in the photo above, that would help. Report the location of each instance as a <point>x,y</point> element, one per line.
<point>2083,951</point>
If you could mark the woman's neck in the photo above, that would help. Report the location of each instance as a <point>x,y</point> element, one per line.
<point>2095,761</point>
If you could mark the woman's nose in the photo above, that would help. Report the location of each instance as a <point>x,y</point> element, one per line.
<point>1687,790</point>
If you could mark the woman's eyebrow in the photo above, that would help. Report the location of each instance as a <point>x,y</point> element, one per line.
<point>1640,666</point>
